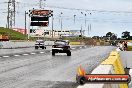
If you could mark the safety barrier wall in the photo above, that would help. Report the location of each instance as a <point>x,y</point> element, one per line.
<point>112,65</point>
<point>20,44</point>
<point>9,44</point>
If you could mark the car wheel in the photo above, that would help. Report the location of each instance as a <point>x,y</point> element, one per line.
<point>36,47</point>
<point>42,47</point>
<point>81,80</point>
<point>69,53</point>
<point>45,47</point>
<point>53,53</point>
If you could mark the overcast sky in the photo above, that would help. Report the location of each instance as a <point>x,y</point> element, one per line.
<point>101,22</point>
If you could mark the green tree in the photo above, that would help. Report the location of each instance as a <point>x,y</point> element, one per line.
<point>125,35</point>
<point>111,36</point>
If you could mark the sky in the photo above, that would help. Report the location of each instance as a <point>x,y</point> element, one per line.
<point>102,19</point>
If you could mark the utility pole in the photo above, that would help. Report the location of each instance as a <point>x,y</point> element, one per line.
<point>26,22</point>
<point>11,13</point>
<point>14,11</point>
<point>81,27</point>
<point>8,22</point>
<point>40,7</point>
<point>88,29</point>
<point>52,25</point>
<point>61,22</point>
<point>90,23</point>
<point>81,33</point>
<point>85,20</point>
<point>74,19</point>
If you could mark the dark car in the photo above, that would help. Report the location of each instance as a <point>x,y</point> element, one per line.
<point>61,46</point>
<point>40,44</point>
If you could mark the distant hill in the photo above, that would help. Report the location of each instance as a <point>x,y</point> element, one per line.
<point>13,35</point>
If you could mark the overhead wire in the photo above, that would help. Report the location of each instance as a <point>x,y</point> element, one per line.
<point>86,11</point>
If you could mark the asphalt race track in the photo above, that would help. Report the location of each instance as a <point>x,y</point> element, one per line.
<point>39,69</point>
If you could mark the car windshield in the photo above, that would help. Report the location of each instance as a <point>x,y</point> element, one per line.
<point>39,41</point>
<point>60,43</point>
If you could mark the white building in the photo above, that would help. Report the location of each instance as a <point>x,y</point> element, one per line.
<point>56,33</point>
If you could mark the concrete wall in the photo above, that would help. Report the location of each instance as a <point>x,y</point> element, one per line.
<point>112,65</point>
<point>10,44</point>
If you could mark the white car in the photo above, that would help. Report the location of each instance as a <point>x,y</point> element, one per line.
<point>40,44</point>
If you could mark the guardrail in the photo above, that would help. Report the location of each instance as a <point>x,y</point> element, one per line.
<point>112,65</point>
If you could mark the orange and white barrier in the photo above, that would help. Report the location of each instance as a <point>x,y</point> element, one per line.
<point>112,65</point>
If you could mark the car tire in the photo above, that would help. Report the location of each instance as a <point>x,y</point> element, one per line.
<point>42,47</point>
<point>45,47</point>
<point>36,47</point>
<point>53,53</point>
<point>69,53</point>
<point>81,80</point>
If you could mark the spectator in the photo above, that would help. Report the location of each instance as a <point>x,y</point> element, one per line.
<point>121,46</point>
<point>125,46</point>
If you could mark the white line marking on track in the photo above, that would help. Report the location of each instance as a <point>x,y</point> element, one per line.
<point>73,48</point>
<point>16,55</point>
<point>80,47</point>
<point>25,54</point>
<point>5,56</point>
<point>32,53</point>
<point>41,52</point>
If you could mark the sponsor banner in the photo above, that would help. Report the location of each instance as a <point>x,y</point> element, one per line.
<point>42,24</point>
<point>107,78</point>
<point>36,12</point>
<point>38,32</point>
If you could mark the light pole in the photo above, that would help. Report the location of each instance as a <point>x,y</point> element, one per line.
<point>81,28</point>
<point>61,22</point>
<point>90,28</point>
<point>74,19</point>
<point>26,23</point>
<point>85,19</point>
<point>81,31</point>
<point>52,25</point>
<point>8,16</point>
<point>89,25</point>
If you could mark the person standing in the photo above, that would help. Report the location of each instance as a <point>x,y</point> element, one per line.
<point>122,46</point>
<point>125,46</point>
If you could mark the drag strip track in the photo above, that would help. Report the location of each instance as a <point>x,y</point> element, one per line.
<point>46,71</point>
<point>31,51</point>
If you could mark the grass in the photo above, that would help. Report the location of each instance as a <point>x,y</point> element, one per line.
<point>129,48</point>
<point>13,35</point>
